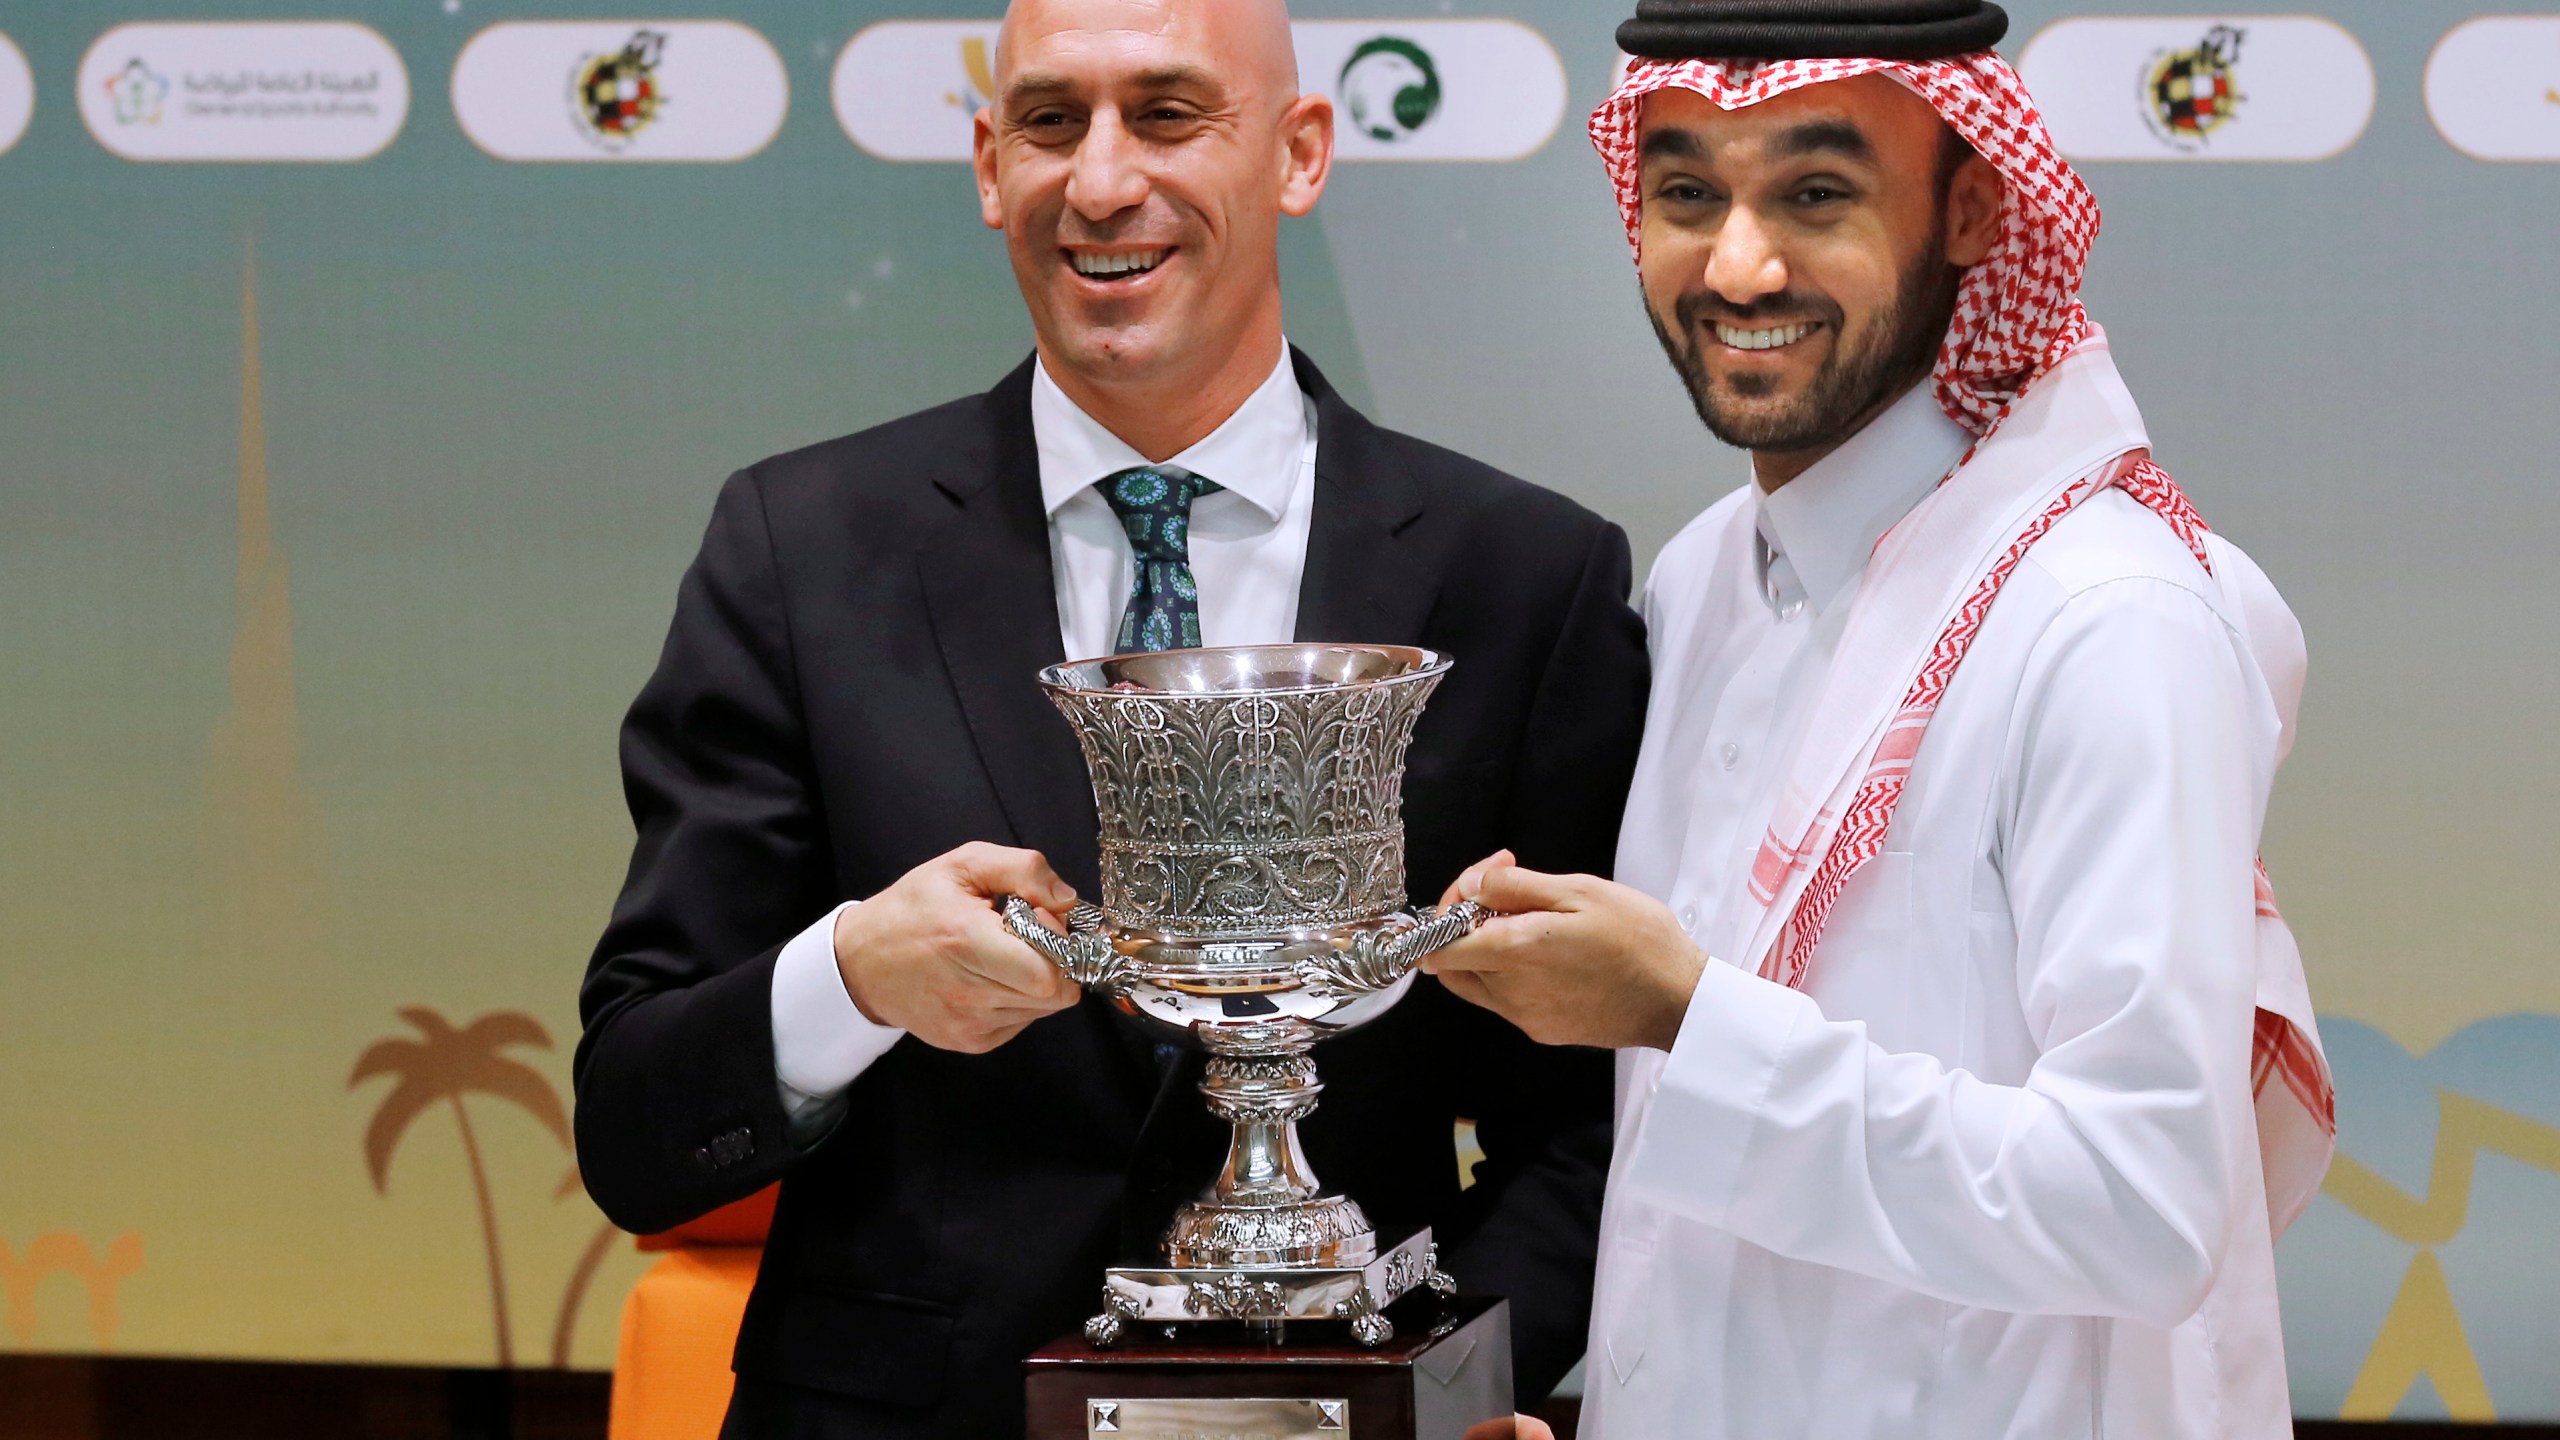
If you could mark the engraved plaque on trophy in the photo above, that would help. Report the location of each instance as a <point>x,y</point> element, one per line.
<point>1252,846</point>
<point>1434,1378</point>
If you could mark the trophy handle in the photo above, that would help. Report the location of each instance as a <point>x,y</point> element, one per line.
<point>1084,953</point>
<point>1372,963</point>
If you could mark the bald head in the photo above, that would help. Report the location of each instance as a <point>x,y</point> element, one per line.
<point>1248,40</point>
<point>1139,156</point>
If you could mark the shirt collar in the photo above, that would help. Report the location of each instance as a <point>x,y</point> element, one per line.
<point>1817,530</point>
<point>1256,452</point>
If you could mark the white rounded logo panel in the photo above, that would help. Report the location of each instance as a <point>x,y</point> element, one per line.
<point>248,90</point>
<point>17,93</point>
<point>1402,90</point>
<point>620,90</point>
<point>911,89</point>
<point>1434,89</point>
<point>2200,87</point>
<point>2493,87</point>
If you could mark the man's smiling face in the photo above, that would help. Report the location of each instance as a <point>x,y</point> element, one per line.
<point>1138,156</point>
<point>1801,255</point>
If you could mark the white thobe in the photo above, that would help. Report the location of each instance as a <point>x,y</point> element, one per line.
<point>1993,1171</point>
<point>1248,552</point>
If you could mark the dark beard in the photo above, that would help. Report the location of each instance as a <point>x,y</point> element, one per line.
<point>1901,346</point>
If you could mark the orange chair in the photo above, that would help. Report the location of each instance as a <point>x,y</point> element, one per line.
<point>671,1371</point>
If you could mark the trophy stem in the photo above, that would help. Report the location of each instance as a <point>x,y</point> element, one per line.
<point>1265,1208</point>
<point>1264,1099</point>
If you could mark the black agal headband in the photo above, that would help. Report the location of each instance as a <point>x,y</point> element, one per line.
<point>1811,29</point>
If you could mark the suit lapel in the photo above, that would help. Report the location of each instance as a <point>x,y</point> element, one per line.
<point>1362,584</point>
<point>994,608</point>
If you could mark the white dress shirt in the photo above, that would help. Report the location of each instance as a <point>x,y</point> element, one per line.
<point>1248,551</point>
<point>1993,1172</point>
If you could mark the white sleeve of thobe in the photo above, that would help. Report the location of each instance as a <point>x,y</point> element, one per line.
<point>2105,1184</point>
<point>822,1042</point>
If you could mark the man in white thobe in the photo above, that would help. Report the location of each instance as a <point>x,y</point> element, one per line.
<point>1966,1072</point>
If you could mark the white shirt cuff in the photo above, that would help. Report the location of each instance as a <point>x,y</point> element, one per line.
<point>822,1042</point>
<point>1689,1155</point>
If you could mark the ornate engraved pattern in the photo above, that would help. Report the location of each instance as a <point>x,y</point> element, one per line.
<point>1232,814</point>
<point>1237,1298</point>
<point>1404,1271</point>
<point>1368,1327</point>
<point>1409,1270</point>
<point>1087,957</point>
<point>1439,1281</point>
<point>1105,1329</point>
<point>1269,1090</point>
<point>1377,959</point>
<point>1288,1234</point>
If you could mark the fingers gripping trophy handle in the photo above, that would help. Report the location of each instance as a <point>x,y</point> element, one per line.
<point>1374,964</point>
<point>1083,953</point>
<point>1447,926</point>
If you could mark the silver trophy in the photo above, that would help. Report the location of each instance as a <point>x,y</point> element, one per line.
<point>1253,897</point>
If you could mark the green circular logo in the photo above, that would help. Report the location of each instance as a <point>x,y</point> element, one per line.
<point>1391,88</point>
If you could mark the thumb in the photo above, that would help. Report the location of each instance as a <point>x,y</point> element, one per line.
<point>995,871</point>
<point>1511,890</point>
<point>1472,878</point>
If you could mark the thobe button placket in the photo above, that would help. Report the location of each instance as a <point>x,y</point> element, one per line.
<point>1689,917</point>
<point>1732,755</point>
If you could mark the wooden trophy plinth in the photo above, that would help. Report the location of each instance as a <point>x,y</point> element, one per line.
<point>1447,1367</point>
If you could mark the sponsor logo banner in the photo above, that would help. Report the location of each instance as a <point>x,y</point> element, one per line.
<point>2236,87</point>
<point>911,89</point>
<point>17,93</point>
<point>2493,87</point>
<point>254,90</point>
<point>1434,89</point>
<point>1402,90</point>
<point>620,90</point>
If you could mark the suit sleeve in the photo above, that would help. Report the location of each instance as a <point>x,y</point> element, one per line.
<point>1543,1113</point>
<point>678,1106</point>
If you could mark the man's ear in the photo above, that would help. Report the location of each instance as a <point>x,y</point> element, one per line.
<point>1306,133</point>
<point>982,159</point>
<point>1974,194</point>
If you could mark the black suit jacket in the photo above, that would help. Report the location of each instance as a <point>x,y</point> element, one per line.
<point>846,691</point>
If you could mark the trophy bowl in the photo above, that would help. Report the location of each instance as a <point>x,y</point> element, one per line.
<point>1253,900</point>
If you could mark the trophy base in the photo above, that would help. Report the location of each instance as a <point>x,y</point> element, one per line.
<point>1447,1369</point>
<point>1265,1297</point>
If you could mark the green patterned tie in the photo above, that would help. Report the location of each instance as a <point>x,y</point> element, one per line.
<point>1154,506</point>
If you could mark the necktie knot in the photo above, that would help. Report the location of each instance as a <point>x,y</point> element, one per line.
<point>1154,506</point>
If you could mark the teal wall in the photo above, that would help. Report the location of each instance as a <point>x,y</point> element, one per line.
<point>497,400</point>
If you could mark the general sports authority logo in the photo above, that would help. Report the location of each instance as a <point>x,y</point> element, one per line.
<point>136,92</point>
<point>615,96</point>
<point>2189,94</point>
<point>1391,86</point>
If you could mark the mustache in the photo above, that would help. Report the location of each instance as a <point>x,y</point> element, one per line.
<point>1695,311</point>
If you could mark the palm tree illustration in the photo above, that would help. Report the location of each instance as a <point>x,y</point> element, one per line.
<point>573,1296</point>
<point>442,1066</point>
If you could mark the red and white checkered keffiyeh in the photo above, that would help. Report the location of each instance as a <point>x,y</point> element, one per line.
<point>2018,317</point>
<point>2019,310</point>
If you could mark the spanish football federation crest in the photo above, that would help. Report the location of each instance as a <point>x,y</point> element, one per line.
<point>1391,87</point>
<point>614,96</point>
<point>2189,94</point>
